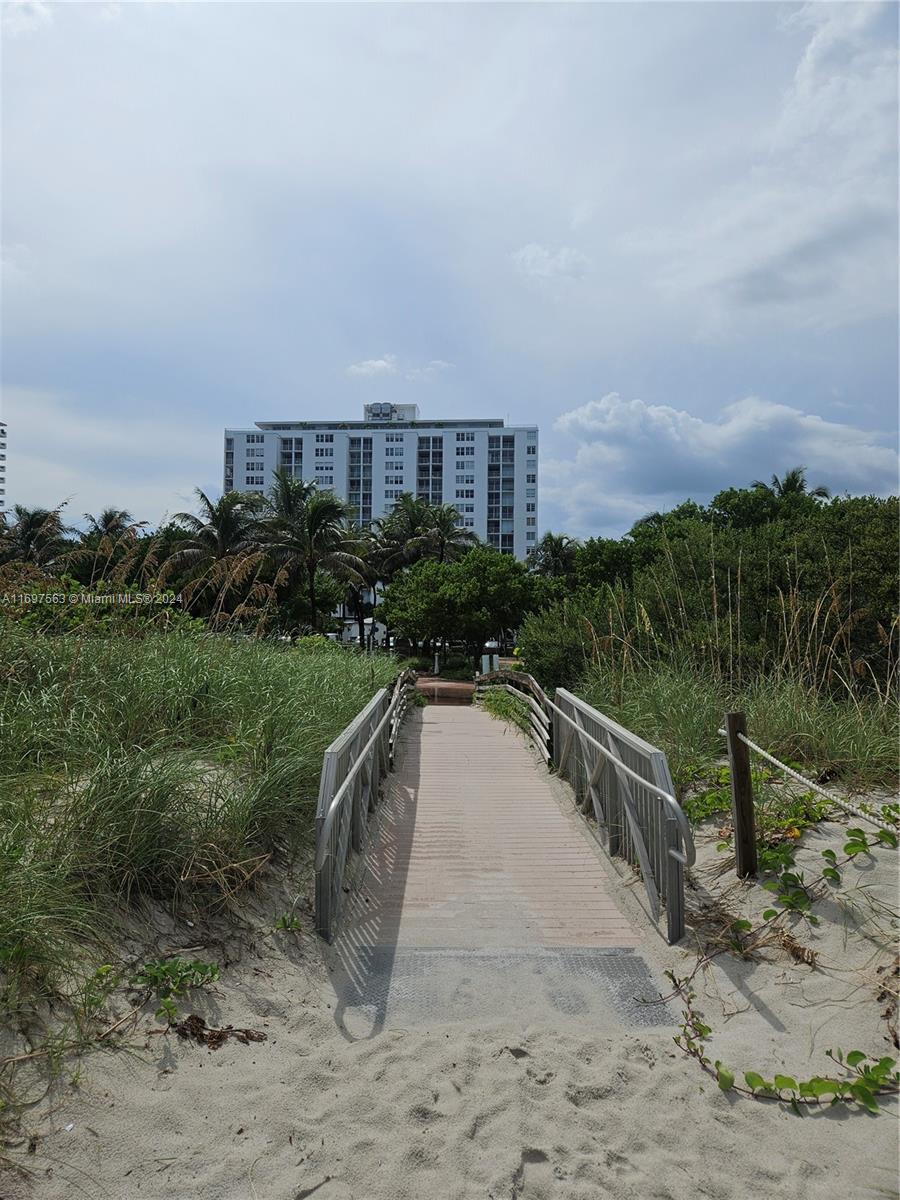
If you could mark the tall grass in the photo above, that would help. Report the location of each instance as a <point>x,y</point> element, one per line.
<point>170,766</point>
<point>680,709</point>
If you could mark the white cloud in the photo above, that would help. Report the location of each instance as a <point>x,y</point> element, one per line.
<point>374,368</point>
<point>428,372</point>
<point>807,231</point>
<point>370,368</point>
<point>25,16</point>
<point>634,457</point>
<point>537,262</point>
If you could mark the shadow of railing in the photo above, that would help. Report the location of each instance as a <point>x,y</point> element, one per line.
<point>360,961</point>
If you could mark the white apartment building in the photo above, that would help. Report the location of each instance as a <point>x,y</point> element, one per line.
<point>2,465</point>
<point>488,470</point>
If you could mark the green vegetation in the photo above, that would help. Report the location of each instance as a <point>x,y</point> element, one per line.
<point>506,707</point>
<point>468,601</point>
<point>772,599</point>
<point>280,563</point>
<point>170,766</point>
<point>865,1079</point>
<point>170,979</point>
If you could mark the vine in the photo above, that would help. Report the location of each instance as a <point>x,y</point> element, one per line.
<point>865,1078</point>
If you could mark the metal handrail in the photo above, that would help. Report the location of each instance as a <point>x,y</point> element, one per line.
<point>689,855</point>
<point>660,844</point>
<point>344,807</point>
<point>322,849</point>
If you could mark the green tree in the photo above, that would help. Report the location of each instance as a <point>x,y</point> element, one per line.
<point>480,596</point>
<point>554,555</point>
<point>306,531</point>
<point>33,535</point>
<point>221,552</point>
<point>792,483</point>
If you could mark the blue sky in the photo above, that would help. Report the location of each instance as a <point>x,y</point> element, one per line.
<point>666,233</point>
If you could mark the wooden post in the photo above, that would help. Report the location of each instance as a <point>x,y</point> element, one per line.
<point>741,795</point>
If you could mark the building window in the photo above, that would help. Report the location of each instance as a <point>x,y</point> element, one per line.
<point>255,438</point>
<point>531,478</point>
<point>255,480</point>
<point>531,449</point>
<point>324,437</point>
<point>393,452</point>
<point>465,437</point>
<point>530,535</point>
<point>324,452</point>
<point>465,493</point>
<point>529,492</point>
<point>531,520</point>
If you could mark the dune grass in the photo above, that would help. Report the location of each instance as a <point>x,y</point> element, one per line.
<point>679,708</point>
<point>168,767</point>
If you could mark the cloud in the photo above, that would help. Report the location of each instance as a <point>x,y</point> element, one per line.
<point>430,371</point>
<point>807,232</point>
<point>25,16</point>
<point>374,368</point>
<point>57,451</point>
<point>537,262</point>
<point>634,457</point>
<point>370,368</point>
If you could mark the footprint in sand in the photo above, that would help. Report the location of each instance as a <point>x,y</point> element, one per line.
<point>533,1177</point>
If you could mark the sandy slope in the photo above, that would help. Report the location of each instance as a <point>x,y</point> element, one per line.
<point>462,1112</point>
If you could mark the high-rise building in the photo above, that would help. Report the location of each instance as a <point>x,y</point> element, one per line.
<point>488,470</point>
<point>2,465</point>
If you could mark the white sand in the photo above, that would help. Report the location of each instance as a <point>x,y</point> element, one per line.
<point>450,1112</point>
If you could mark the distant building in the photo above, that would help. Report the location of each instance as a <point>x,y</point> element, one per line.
<point>486,469</point>
<point>2,465</point>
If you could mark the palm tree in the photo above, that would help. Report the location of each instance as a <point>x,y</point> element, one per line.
<point>554,555</point>
<point>415,529</point>
<point>306,530</point>
<point>111,535</point>
<point>222,547</point>
<point>368,549</point>
<point>792,483</point>
<point>444,537</point>
<point>112,523</point>
<point>402,533</point>
<point>35,535</point>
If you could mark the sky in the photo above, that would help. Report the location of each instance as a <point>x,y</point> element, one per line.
<point>666,233</point>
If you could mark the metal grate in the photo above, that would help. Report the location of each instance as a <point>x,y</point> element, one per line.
<point>385,987</point>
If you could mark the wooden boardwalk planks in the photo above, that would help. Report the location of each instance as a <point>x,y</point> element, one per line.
<point>472,849</point>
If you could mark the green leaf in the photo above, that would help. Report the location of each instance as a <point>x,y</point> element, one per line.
<point>864,1096</point>
<point>784,1083</point>
<point>830,855</point>
<point>725,1077</point>
<point>886,838</point>
<point>821,1087</point>
<point>770,913</point>
<point>741,925</point>
<point>753,1080</point>
<point>855,1057</point>
<point>771,886</point>
<point>831,874</point>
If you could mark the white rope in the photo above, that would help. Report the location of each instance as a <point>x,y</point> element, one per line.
<point>844,804</point>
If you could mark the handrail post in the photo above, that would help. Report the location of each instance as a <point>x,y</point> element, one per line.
<point>742,811</point>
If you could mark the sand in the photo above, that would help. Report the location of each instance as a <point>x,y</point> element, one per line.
<point>572,1109</point>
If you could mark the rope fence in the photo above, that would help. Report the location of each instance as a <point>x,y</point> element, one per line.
<point>809,783</point>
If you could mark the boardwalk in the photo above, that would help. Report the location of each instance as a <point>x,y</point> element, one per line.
<point>478,882</point>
